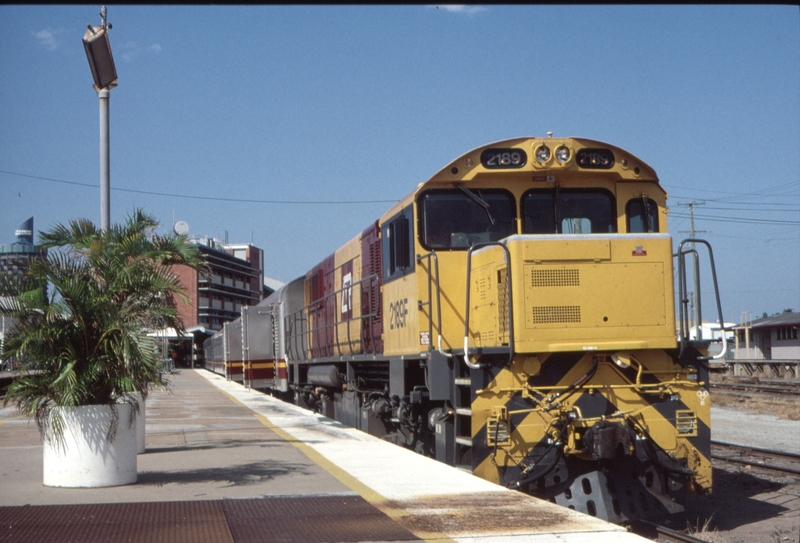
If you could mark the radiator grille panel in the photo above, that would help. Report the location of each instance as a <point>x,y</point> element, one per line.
<point>555,278</point>
<point>502,301</point>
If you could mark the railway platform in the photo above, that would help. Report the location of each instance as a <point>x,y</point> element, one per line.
<point>227,464</point>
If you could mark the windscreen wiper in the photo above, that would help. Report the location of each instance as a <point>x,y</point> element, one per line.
<point>478,200</point>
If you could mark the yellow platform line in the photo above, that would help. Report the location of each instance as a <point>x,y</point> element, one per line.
<point>398,514</point>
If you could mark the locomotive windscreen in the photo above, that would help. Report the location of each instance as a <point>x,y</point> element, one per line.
<point>457,219</point>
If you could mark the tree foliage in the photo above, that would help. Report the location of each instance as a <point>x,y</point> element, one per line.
<point>87,343</point>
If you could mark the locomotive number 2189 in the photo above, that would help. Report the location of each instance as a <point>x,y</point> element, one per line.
<point>503,158</point>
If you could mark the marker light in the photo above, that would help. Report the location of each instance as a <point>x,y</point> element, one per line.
<point>543,153</point>
<point>563,154</point>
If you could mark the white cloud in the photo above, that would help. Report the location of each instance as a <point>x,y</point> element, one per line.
<point>47,38</point>
<point>461,8</point>
<point>131,50</point>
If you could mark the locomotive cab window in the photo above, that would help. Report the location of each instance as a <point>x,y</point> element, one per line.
<point>568,211</point>
<point>461,217</point>
<point>398,251</point>
<point>642,215</point>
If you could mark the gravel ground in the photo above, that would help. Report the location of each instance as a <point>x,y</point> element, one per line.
<point>744,427</point>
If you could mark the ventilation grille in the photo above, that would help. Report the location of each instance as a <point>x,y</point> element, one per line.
<point>502,301</point>
<point>497,433</point>
<point>686,423</point>
<point>555,278</point>
<point>483,285</point>
<point>497,430</point>
<point>549,314</point>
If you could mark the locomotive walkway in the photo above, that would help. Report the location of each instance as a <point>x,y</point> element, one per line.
<point>226,464</point>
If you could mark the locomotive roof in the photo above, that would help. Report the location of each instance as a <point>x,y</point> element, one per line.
<point>472,165</point>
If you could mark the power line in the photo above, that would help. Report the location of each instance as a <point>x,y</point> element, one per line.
<point>757,210</point>
<point>211,198</point>
<point>716,218</point>
<point>691,206</point>
<point>732,197</point>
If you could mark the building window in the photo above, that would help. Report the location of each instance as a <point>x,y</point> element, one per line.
<point>786,333</point>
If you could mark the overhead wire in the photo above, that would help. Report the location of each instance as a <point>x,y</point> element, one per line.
<point>675,214</point>
<point>729,200</point>
<point>745,220</point>
<point>210,198</point>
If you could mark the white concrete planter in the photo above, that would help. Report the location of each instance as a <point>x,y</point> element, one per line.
<point>140,427</point>
<point>85,458</point>
<point>141,418</point>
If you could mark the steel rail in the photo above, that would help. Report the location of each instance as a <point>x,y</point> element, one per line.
<point>662,534</point>
<point>764,389</point>
<point>755,452</point>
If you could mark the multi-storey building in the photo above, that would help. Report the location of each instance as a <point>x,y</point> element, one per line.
<point>14,260</point>
<point>235,280</point>
<point>15,257</point>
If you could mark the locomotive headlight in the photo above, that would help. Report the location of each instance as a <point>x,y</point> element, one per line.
<point>543,153</point>
<point>563,154</point>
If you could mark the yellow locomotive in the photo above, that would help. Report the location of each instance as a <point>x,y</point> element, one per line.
<point>515,316</point>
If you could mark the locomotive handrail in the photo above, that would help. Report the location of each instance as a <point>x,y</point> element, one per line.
<point>432,256</point>
<point>683,294</point>
<point>297,319</point>
<point>226,349</point>
<point>510,303</point>
<point>684,334</point>
<point>321,324</point>
<point>245,347</point>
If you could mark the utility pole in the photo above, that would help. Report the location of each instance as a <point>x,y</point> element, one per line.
<point>694,297</point>
<point>104,73</point>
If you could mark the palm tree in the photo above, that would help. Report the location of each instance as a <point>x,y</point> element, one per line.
<point>87,343</point>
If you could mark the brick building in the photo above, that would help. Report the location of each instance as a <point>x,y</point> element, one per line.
<point>236,279</point>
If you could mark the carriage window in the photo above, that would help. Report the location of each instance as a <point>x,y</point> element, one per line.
<point>568,211</point>
<point>642,214</point>
<point>459,218</point>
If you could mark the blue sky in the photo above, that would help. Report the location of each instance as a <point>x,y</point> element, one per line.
<point>339,111</point>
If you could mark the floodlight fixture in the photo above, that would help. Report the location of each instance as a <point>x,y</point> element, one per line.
<point>101,61</point>
<point>98,52</point>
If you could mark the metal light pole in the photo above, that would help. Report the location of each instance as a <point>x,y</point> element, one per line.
<point>101,62</point>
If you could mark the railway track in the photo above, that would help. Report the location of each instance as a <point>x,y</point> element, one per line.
<point>662,534</point>
<point>777,461</point>
<point>783,389</point>
<point>752,456</point>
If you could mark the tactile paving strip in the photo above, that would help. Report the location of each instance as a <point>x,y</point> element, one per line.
<point>167,522</point>
<point>319,519</point>
<point>310,519</point>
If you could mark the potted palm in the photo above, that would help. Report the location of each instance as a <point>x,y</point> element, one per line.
<point>86,358</point>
